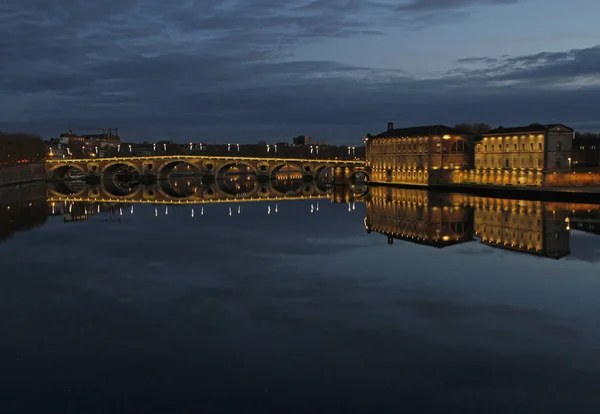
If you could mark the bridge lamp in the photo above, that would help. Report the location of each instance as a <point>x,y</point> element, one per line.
<point>238,147</point>
<point>119,148</point>
<point>130,149</point>
<point>311,149</point>
<point>268,148</point>
<point>154,147</point>
<point>96,150</point>
<point>275,147</point>
<point>190,146</point>
<point>317,148</point>
<point>165,147</point>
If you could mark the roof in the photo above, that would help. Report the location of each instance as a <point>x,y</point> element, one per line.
<point>527,129</point>
<point>422,131</point>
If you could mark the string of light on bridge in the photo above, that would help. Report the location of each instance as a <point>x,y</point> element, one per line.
<point>314,207</point>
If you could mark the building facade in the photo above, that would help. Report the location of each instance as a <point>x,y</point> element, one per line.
<point>520,156</point>
<point>586,152</point>
<point>417,155</point>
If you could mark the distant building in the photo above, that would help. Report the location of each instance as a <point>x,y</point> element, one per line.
<point>89,144</point>
<point>586,151</point>
<point>409,155</point>
<point>302,140</point>
<point>521,156</point>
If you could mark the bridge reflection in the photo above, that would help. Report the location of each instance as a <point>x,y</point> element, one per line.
<point>444,219</point>
<point>192,190</point>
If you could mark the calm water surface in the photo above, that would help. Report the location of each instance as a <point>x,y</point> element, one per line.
<point>391,301</point>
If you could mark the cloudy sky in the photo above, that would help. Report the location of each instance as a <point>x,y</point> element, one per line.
<point>239,71</point>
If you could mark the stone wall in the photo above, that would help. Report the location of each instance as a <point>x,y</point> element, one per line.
<point>14,174</point>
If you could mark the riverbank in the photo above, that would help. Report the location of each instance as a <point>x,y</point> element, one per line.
<point>587,194</point>
<point>22,174</point>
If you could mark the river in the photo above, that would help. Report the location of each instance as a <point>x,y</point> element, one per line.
<point>329,300</point>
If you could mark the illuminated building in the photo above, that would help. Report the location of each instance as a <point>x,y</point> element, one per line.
<point>417,155</point>
<point>520,156</point>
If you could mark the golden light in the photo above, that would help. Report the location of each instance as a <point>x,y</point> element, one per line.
<point>446,137</point>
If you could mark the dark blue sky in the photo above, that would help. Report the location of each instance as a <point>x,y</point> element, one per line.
<point>239,71</point>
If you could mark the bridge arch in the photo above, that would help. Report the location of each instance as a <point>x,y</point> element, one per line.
<point>111,168</point>
<point>359,176</point>
<point>165,171</point>
<point>237,167</point>
<point>291,165</point>
<point>63,171</point>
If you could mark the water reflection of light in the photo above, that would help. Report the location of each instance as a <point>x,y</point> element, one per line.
<point>312,208</point>
<point>192,212</point>
<point>268,209</point>
<point>239,209</point>
<point>353,205</point>
<point>230,211</point>
<point>276,208</point>
<point>166,211</point>
<point>155,212</point>
<point>120,211</point>
<point>202,211</point>
<point>70,208</point>
<point>317,206</point>
<point>131,209</point>
<point>98,208</point>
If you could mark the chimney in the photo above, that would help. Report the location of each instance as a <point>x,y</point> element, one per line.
<point>390,126</point>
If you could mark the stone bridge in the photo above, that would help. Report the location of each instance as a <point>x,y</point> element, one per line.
<point>163,167</point>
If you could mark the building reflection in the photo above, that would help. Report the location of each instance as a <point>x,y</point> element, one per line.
<point>419,216</point>
<point>443,219</point>
<point>533,227</point>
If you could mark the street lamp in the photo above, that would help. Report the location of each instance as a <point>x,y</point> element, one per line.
<point>569,159</point>
<point>130,148</point>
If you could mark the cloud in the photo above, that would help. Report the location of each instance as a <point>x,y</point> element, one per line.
<point>215,69</point>
<point>432,5</point>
